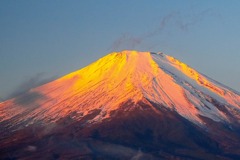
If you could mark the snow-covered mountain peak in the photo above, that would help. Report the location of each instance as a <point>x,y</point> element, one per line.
<point>120,77</point>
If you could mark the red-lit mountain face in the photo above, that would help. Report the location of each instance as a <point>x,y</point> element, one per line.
<point>126,105</point>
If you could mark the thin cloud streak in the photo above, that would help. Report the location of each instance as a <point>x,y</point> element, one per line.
<point>29,98</point>
<point>175,19</point>
<point>37,80</point>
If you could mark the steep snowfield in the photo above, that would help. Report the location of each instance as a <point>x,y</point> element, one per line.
<point>118,77</point>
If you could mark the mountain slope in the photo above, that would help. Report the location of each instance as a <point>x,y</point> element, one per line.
<point>129,98</point>
<point>118,77</point>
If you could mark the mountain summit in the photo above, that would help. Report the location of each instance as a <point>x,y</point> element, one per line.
<point>126,100</point>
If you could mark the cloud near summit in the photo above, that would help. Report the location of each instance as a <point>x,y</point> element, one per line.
<point>175,19</point>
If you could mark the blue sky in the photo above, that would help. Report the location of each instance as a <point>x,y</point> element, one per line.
<point>43,40</point>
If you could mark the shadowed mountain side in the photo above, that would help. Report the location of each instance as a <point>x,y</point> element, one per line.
<point>149,130</point>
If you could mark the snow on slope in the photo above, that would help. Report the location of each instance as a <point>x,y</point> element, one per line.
<point>118,77</point>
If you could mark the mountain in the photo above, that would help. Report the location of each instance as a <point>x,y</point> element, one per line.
<point>126,105</point>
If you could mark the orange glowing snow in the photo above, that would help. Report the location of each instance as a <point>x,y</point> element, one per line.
<point>194,75</point>
<point>114,79</point>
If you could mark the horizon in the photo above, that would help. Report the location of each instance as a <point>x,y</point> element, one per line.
<point>42,41</point>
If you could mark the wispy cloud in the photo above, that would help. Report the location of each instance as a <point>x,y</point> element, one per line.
<point>126,40</point>
<point>28,98</point>
<point>194,19</point>
<point>32,82</point>
<point>174,20</point>
<point>164,22</point>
